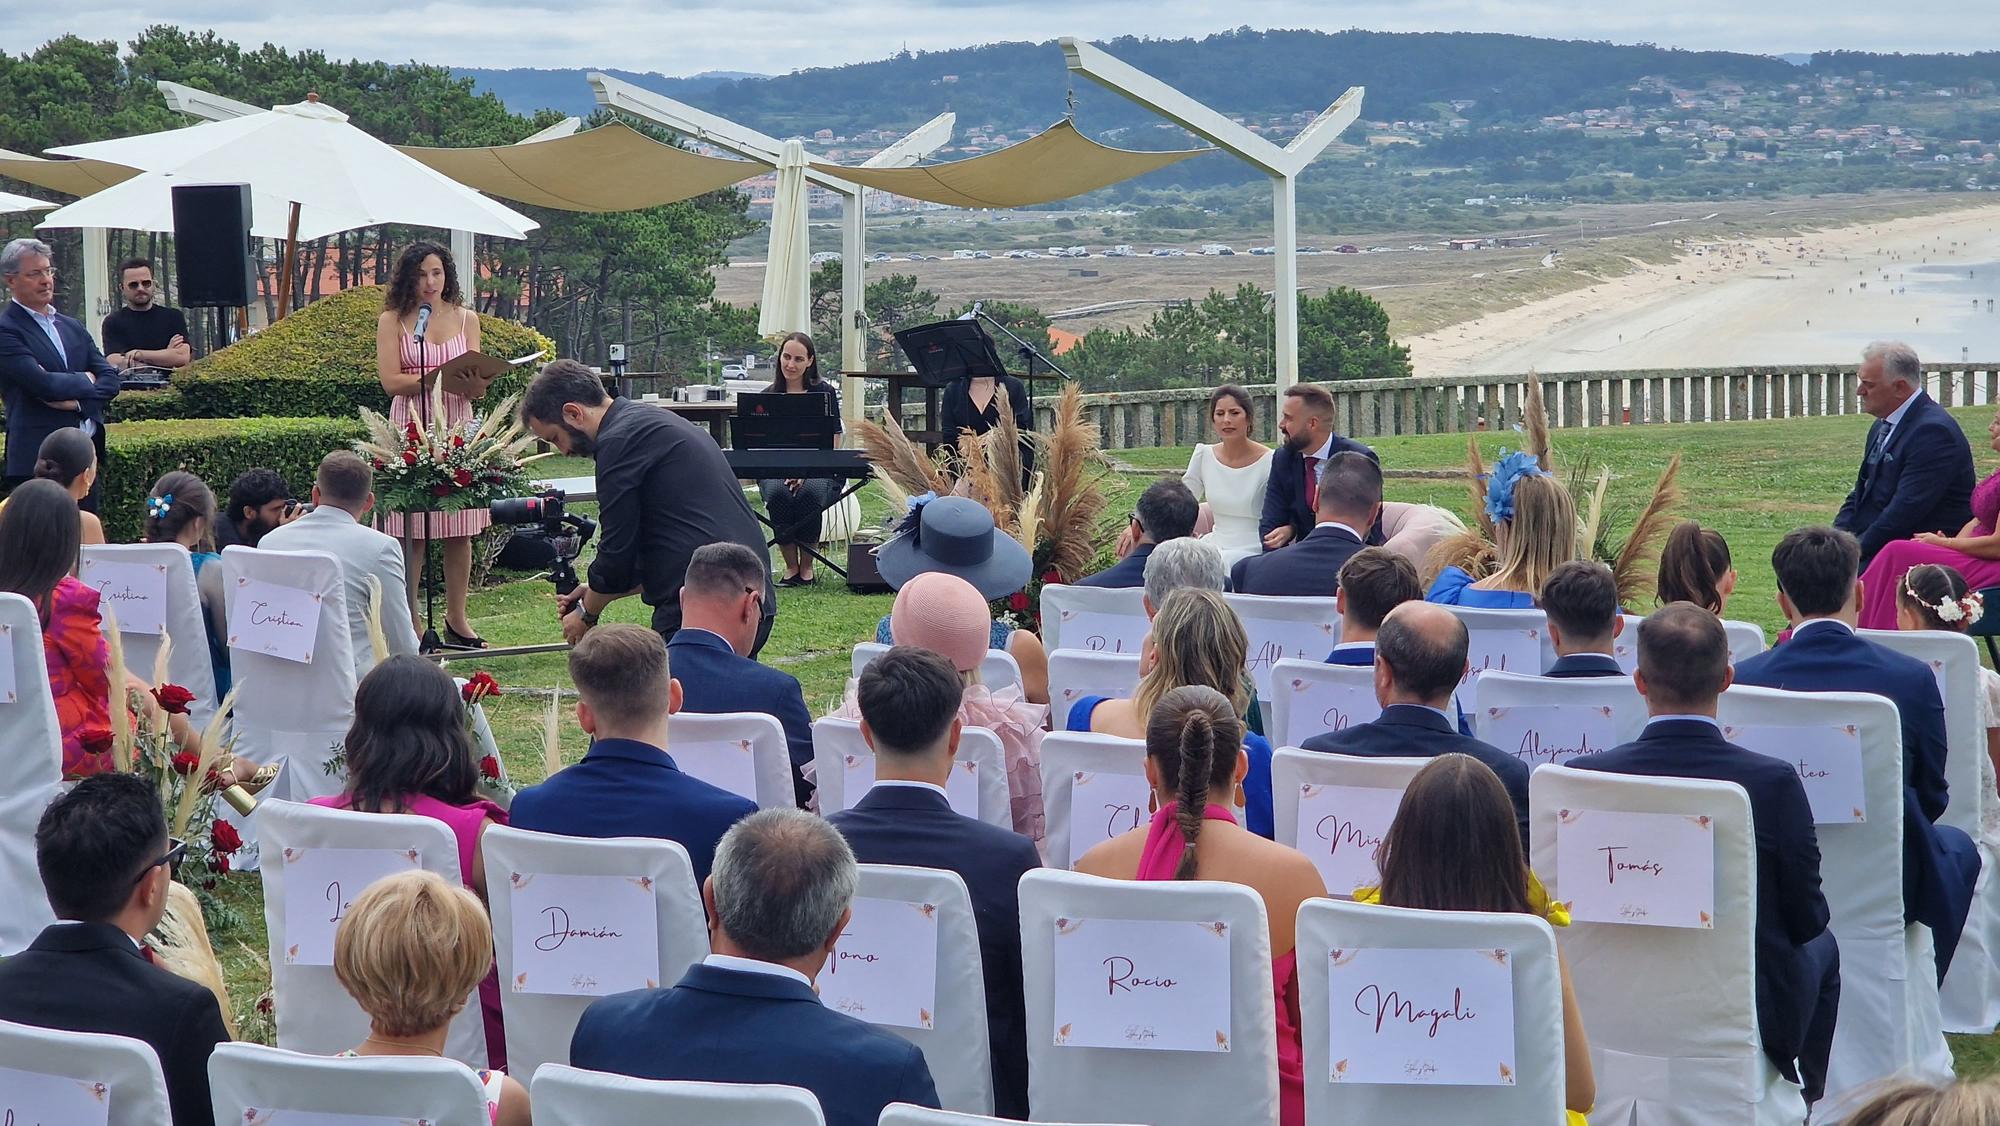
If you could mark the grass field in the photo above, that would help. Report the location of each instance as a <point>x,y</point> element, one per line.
<point>1751,481</point>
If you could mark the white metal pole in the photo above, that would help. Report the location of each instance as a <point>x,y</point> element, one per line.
<point>96,278</point>
<point>1285,291</point>
<point>853,300</point>
<point>468,270</point>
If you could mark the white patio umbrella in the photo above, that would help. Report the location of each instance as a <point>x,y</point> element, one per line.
<point>10,202</point>
<point>145,203</point>
<point>786,303</point>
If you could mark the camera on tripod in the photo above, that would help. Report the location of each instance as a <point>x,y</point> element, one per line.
<point>564,531</point>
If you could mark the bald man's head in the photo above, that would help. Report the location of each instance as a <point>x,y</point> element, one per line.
<point>1423,647</point>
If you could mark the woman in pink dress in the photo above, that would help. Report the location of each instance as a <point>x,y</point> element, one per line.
<point>426,278</point>
<point>1974,552</point>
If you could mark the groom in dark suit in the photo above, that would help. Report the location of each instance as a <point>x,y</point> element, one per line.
<point>1916,475</point>
<point>52,376</point>
<point>1290,502</point>
<point>1350,499</point>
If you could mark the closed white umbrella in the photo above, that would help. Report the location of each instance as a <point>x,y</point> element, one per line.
<point>787,304</point>
<point>10,202</point>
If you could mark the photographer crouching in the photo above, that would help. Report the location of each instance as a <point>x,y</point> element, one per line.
<point>663,490</point>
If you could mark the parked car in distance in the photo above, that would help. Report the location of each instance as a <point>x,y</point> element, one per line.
<point>1347,248</point>
<point>1310,250</point>
<point>1263,251</point>
<point>982,254</point>
<point>1215,249</point>
<point>734,371</point>
<point>1122,250</point>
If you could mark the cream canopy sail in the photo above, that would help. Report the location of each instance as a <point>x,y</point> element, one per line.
<point>1057,163</point>
<point>613,167</point>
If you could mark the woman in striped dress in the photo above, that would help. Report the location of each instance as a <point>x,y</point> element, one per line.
<point>424,277</point>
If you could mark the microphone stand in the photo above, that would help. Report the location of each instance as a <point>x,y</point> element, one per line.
<point>431,642</point>
<point>1028,352</point>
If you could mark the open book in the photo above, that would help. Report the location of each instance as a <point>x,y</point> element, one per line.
<point>472,373</point>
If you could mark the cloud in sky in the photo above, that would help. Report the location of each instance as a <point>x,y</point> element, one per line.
<point>776,36</point>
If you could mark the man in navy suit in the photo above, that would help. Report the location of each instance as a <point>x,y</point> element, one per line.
<point>1821,597</point>
<point>1290,505</point>
<point>1683,668</point>
<point>1420,658</point>
<point>1166,511</point>
<point>779,898</point>
<point>1373,582</point>
<point>1350,499</point>
<point>1916,475</point>
<point>52,377</point>
<point>627,784</point>
<point>722,606</point>
<point>909,715</point>
<point>1581,598</point>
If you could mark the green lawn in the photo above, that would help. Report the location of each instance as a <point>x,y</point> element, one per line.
<point>1751,481</point>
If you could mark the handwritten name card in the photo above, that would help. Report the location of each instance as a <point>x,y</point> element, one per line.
<point>1102,633</point>
<point>1320,706</point>
<point>1103,805</point>
<point>320,885</point>
<point>280,1116</point>
<point>9,688</point>
<point>1428,1017</point>
<point>729,764</point>
<point>135,592</point>
<point>1551,733</point>
<point>1142,983</point>
<point>1342,828</point>
<point>1274,639</point>
<point>278,621</point>
<point>584,936</point>
<point>1827,760</point>
<point>29,1098</point>
<point>1503,650</point>
<point>884,969</point>
<point>1647,869</point>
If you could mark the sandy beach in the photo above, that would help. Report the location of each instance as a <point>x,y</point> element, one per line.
<point>1932,280</point>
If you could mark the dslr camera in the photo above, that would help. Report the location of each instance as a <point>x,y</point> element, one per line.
<point>563,530</point>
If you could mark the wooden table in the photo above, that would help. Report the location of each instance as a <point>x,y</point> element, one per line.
<point>715,416</point>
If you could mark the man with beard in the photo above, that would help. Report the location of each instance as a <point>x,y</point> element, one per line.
<point>1290,499</point>
<point>144,333</point>
<point>663,489</point>
<point>259,501</point>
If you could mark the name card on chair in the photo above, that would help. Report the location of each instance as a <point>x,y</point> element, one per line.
<point>584,936</point>
<point>1319,707</point>
<point>320,885</point>
<point>1423,1017</point>
<point>884,969</point>
<point>1103,633</point>
<point>1142,983</point>
<point>1827,760</point>
<point>1103,805</point>
<point>1549,733</point>
<point>135,592</point>
<point>280,1116</point>
<point>30,1098</point>
<point>731,765</point>
<point>278,621</point>
<point>1648,869</point>
<point>1342,828</point>
<point>1276,639</point>
<point>9,687</point>
<point>1503,650</point>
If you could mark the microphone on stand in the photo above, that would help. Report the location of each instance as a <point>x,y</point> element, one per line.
<point>423,322</point>
<point>972,313</point>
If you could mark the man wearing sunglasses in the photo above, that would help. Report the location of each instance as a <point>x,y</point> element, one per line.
<point>144,333</point>
<point>105,862</point>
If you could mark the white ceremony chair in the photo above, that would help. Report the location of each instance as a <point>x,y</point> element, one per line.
<point>288,712</point>
<point>1094,619</point>
<point>313,1013</point>
<point>1486,629</point>
<point>956,1048</point>
<point>188,664</point>
<point>1311,698</point>
<point>30,771</point>
<point>742,752</point>
<point>903,1114</point>
<point>1239,1086</point>
<point>135,1089</point>
<point>1076,673</point>
<point>1293,768</point>
<point>539,1024</point>
<point>1670,1012</point>
<point>570,1096</point>
<point>997,670</point>
<point>835,740</point>
<point>1496,692</point>
<point>1536,1097</point>
<point>1304,629</point>
<point>1746,640</point>
<point>278,1083</point>
<point>1115,767</point>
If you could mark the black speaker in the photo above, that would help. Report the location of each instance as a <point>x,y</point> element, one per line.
<point>214,265</point>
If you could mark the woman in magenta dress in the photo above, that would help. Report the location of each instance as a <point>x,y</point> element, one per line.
<point>1195,761</point>
<point>1974,552</point>
<point>425,277</point>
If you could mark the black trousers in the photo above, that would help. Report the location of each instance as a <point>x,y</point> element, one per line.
<point>1823,962</point>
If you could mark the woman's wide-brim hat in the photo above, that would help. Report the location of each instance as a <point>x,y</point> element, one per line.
<point>956,536</point>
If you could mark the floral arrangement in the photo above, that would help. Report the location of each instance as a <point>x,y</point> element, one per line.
<point>447,468</point>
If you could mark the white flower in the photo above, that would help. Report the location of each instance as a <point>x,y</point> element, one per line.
<point>1948,611</point>
<point>1975,609</point>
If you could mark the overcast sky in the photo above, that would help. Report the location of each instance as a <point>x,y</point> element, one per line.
<point>774,36</point>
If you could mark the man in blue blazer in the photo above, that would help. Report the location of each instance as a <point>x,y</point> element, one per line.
<point>1420,657</point>
<point>1916,473</point>
<point>1290,507</point>
<point>52,377</point>
<point>1166,511</point>
<point>722,603</point>
<point>1581,599</point>
<point>627,784</point>
<point>1683,668</point>
<point>1373,582</point>
<point>909,714</point>
<point>779,898</point>
<point>1821,597</point>
<point>1350,500</point>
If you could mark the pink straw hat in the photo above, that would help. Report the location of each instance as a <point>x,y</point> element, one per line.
<point>944,614</point>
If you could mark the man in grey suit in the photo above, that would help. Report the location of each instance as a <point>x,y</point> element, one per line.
<point>342,494</point>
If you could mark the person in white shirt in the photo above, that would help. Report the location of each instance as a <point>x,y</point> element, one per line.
<point>342,494</point>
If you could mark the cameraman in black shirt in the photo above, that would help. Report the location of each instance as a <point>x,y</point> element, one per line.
<point>144,334</point>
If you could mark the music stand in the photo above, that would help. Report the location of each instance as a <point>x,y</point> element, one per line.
<point>946,351</point>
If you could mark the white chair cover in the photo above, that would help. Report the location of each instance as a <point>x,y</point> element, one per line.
<point>539,1024</point>
<point>30,770</point>
<point>1670,1012</point>
<point>1746,640</point>
<point>274,1081</point>
<point>1076,673</point>
<point>1094,619</point>
<point>570,1096</point>
<point>187,624</point>
<point>1537,1096</point>
<point>1293,769</point>
<point>903,1114</point>
<point>288,712</point>
<point>1112,775</point>
<point>1493,631</point>
<point>128,1068</point>
<point>1311,697</point>
<point>1553,738</point>
<point>1239,1086</point>
<point>742,752</point>
<point>956,1047</point>
<point>837,740</point>
<point>1889,1018</point>
<point>997,670</point>
<point>313,1013</point>
<point>1304,629</point>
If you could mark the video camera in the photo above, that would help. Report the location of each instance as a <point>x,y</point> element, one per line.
<point>565,531</point>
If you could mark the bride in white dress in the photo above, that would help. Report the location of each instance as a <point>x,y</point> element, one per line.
<point>1229,476</point>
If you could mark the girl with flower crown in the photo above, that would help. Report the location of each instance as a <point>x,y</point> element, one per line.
<point>1933,596</point>
<point>1534,531</point>
<point>181,510</point>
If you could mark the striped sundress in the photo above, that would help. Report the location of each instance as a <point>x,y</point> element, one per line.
<point>457,411</point>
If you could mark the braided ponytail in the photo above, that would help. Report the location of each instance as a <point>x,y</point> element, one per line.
<point>1194,738</point>
<point>1197,753</point>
